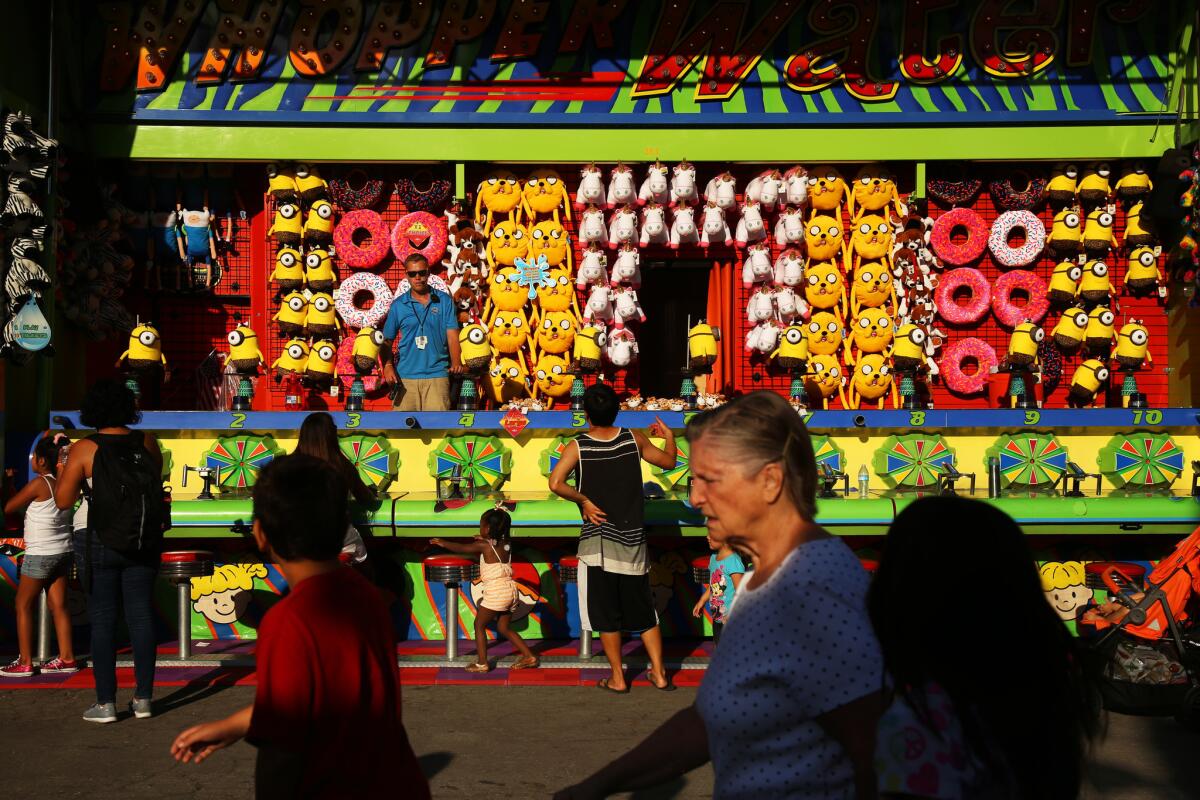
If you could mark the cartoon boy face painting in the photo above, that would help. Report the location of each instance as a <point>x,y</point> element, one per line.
<point>1065,585</point>
<point>224,596</point>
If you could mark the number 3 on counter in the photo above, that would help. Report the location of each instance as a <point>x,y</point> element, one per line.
<point>353,420</point>
<point>1149,416</point>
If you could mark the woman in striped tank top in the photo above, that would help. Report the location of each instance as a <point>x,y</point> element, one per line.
<point>493,545</point>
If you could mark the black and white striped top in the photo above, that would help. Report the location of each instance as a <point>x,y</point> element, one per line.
<point>610,475</point>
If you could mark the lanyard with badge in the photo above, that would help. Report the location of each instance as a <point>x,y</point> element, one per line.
<point>422,340</point>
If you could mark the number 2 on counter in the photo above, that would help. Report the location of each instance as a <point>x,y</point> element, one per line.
<point>238,421</point>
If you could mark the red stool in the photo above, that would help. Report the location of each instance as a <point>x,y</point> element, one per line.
<point>700,570</point>
<point>452,572</point>
<point>179,567</point>
<point>1098,575</point>
<point>568,572</point>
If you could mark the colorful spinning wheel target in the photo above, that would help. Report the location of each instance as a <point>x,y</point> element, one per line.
<point>678,474</point>
<point>827,452</point>
<point>553,452</point>
<point>1141,459</point>
<point>374,458</point>
<point>483,459</point>
<point>912,459</point>
<point>1030,459</point>
<point>241,458</point>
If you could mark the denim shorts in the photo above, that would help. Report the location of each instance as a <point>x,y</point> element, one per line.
<point>43,568</point>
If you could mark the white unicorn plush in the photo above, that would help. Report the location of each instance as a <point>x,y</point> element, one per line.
<point>756,267</point>
<point>593,267</point>
<point>795,182</point>
<point>627,267</point>
<point>762,338</point>
<point>654,225</point>
<point>656,188</point>
<point>750,225</point>
<point>722,190</point>
<point>714,227</point>
<point>683,185</point>
<point>683,227</point>
<point>627,307</point>
<point>766,189</point>
<point>789,268</point>
<point>591,226</point>
<point>789,228</point>
<point>620,186</point>
<point>599,305</point>
<point>622,228</point>
<point>591,187</point>
<point>622,347</point>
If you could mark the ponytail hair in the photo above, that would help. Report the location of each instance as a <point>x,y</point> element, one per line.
<point>498,524</point>
<point>48,448</point>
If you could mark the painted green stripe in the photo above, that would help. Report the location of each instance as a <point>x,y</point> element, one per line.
<point>891,106</point>
<point>1100,65</point>
<point>643,26</point>
<point>170,97</point>
<point>1065,86</point>
<point>1005,91</point>
<point>550,145</point>
<point>770,80</point>
<point>735,104</point>
<point>321,88</point>
<point>270,99</point>
<point>965,79</point>
<point>654,106</point>
<point>810,105</point>
<point>1038,94</point>
<point>574,107</point>
<point>952,95</point>
<point>233,96</point>
<point>504,74</point>
<point>921,95</point>
<point>1133,76</point>
<point>830,100</point>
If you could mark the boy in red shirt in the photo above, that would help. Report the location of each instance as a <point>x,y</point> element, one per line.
<point>326,716</point>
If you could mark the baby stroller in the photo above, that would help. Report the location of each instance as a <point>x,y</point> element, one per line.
<point>1143,645</point>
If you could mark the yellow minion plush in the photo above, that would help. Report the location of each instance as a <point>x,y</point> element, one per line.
<point>319,272</point>
<point>1134,183</point>
<point>365,352</point>
<point>1095,287</point>
<point>293,360</point>
<point>289,270</point>
<point>1069,333</point>
<point>1066,234</point>
<point>1133,345</point>
<point>1064,283</point>
<point>144,351</point>
<point>1139,230</point>
<point>792,352</point>
<point>1023,345</point>
<point>1087,382</point>
<point>318,227</point>
<point>1094,188</point>
<point>287,227</point>
<point>292,314</point>
<point>281,183</point>
<point>322,321</point>
<point>589,345</point>
<point>476,353</point>
<point>1100,333</point>
<point>1098,236</point>
<point>322,363</point>
<point>1063,183</point>
<point>243,350</point>
<point>702,347</point>
<point>310,184</point>
<point>1142,276</point>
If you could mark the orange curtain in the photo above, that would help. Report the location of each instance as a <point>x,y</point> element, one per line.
<point>721,315</point>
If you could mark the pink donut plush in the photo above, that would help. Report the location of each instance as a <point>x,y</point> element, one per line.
<point>1028,283</point>
<point>952,281</point>
<point>356,255</point>
<point>1035,238</point>
<point>419,232</point>
<point>958,381</point>
<point>354,316</point>
<point>968,251</point>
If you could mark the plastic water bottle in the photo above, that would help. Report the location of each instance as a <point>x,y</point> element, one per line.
<point>864,482</point>
<point>993,477</point>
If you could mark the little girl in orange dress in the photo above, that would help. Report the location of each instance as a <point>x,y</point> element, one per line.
<point>493,545</point>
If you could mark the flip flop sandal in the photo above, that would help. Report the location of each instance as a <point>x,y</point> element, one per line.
<point>669,686</point>
<point>603,684</point>
<point>477,668</point>
<point>527,663</point>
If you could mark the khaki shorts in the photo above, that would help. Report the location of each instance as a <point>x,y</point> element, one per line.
<point>423,394</point>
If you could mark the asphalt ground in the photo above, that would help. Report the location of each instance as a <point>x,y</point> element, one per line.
<point>472,741</point>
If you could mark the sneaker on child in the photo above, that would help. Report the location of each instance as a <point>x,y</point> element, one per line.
<point>57,665</point>
<point>18,670</point>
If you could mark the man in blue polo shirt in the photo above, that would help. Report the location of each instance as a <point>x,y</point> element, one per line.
<point>423,324</point>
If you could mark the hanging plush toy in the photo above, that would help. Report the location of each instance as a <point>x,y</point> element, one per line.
<point>504,294</point>
<point>1143,277</point>
<point>825,379</point>
<point>756,267</point>
<point>509,332</point>
<point>721,191</point>
<point>702,347</point>
<point>826,190</point>
<point>1134,183</point>
<point>1100,333</point>
<point>683,185</point>
<point>622,228</point>
<point>244,354</point>
<point>309,183</point>
<point>789,268</point>
<point>322,321</point>
<point>1063,183</point>
<point>507,243</point>
<point>1098,237</point>
<point>552,378</point>
<point>750,224</point>
<point>1071,329</point>
<point>871,332</point>
<point>763,338</point>
<point>622,348</point>
<point>593,267</point>
<point>761,306</point>
<point>870,240</point>
<point>543,195</point>
<point>626,307</point>
<point>1094,188</point>
<point>823,238</point>
<point>796,182</point>
<point>714,228</point>
<point>683,227</point>
<point>1066,234</point>
<point>281,183</point>
<point>599,305</point>
<point>1064,283</point>
<point>591,227</point>
<point>789,228</point>
<point>914,347</point>
<point>627,267</point>
<point>621,190</point>
<point>198,247</point>
<point>289,270</point>
<point>293,360</point>
<point>557,296</point>
<point>872,381</point>
<point>655,188</point>
<point>1095,285</point>
<point>287,227</point>
<point>321,368</point>
<point>591,187</point>
<point>507,380</point>
<point>550,239</point>
<point>499,195</point>
<point>872,287</point>
<point>792,352</point>
<point>875,192</point>
<point>824,333</point>
<point>1139,228</point>
<point>589,347</point>
<point>1087,382</point>
<point>654,225</point>
<point>292,314</point>
<point>824,287</point>
<point>767,189</point>
<point>318,226</point>
<point>319,271</point>
<point>144,355</point>
<point>555,332</point>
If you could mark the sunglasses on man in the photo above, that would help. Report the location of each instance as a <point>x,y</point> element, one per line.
<point>421,273</point>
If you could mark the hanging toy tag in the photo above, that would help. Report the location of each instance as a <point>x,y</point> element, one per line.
<point>1082,259</point>
<point>1157,250</point>
<point>31,328</point>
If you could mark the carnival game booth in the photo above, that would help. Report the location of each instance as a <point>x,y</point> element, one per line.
<point>957,238</point>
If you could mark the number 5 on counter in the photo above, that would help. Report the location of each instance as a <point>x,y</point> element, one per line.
<point>578,419</point>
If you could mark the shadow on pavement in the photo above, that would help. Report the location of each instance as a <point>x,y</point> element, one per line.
<point>433,763</point>
<point>194,691</point>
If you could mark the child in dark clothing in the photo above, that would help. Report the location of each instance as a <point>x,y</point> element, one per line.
<point>326,716</point>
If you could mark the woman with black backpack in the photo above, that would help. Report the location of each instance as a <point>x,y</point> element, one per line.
<point>118,541</point>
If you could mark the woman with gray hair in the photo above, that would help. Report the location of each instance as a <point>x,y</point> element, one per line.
<point>790,702</point>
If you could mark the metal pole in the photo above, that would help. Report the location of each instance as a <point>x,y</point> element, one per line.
<point>451,621</point>
<point>585,643</point>
<point>43,640</point>
<point>185,619</point>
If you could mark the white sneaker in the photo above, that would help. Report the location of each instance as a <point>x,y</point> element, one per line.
<point>141,708</point>
<point>101,712</point>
